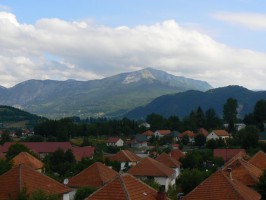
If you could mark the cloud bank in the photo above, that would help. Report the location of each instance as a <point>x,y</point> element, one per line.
<point>60,50</point>
<point>252,21</point>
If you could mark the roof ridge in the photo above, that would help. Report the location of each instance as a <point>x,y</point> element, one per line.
<point>249,171</point>
<point>158,165</point>
<point>123,185</point>
<point>233,183</point>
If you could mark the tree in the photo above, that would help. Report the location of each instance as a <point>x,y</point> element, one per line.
<point>41,195</point>
<point>230,113</point>
<point>83,192</point>
<point>5,137</point>
<point>212,120</point>
<point>211,144</point>
<point>260,113</point>
<point>261,185</point>
<point>248,137</point>
<point>185,139</point>
<point>156,121</point>
<point>189,179</point>
<point>200,140</point>
<point>4,166</point>
<point>15,149</point>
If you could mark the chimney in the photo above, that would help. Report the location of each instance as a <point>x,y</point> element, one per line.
<point>229,170</point>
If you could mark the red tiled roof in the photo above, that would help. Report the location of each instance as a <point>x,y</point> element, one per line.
<point>125,156</point>
<point>151,167</point>
<point>176,154</point>
<point>148,133</point>
<point>259,160</point>
<point>221,132</point>
<point>220,187</point>
<point>203,131</point>
<point>189,133</point>
<point>164,132</point>
<point>124,187</point>
<point>168,160</point>
<point>244,171</point>
<point>83,152</point>
<point>41,147</point>
<point>227,154</point>
<point>113,140</point>
<point>14,180</point>
<point>27,159</point>
<point>95,175</point>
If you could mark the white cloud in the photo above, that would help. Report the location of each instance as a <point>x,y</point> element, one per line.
<point>252,21</point>
<point>58,49</point>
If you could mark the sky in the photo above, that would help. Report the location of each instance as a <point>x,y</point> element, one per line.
<point>221,42</point>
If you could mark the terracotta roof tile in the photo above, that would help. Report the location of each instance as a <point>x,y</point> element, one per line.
<point>83,152</point>
<point>125,156</point>
<point>221,132</point>
<point>41,147</point>
<point>95,175</point>
<point>13,181</point>
<point>124,187</point>
<point>164,132</point>
<point>113,139</point>
<point>189,133</point>
<point>227,154</point>
<point>168,160</point>
<point>220,187</point>
<point>203,131</point>
<point>148,133</point>
<point>177,154</point>
<point>259,160</point>
<point>27,159</point>
<point>151,167</point>
<point>244,171</point>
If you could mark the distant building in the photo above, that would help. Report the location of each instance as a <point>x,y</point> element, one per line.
<point>139,141</point>
<point>115,142</point>
<point>216,134</point>
<point>161,133</point>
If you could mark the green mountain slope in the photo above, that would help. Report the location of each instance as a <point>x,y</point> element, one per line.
<point>112,96</point>
<point>181,104</point>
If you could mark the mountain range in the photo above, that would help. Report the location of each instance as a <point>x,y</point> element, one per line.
<point>181,104</point>
<point>110,97</point>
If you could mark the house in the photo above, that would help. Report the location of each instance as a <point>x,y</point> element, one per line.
<point>216,134</point>
<point>96,175</point>
<point>243,171</point>
<point>145,124</point>
<point>83,152</point>
<point>220,186</point>
<point>259,160</point>
<point>29,160</point>
<point>148,134</point>
<point>203,131</point>
<point>161,133</point>
<point>170,162</point>
<point>190,135</point>
<point>173,136</point>
<point>42,148</point>
<point>125,157</point>
<point>125,186</point>
<point>149,168</point>
<point>177,154</point>
<point>115,141</point>
<point>227,154</point>
<point>238,126</point>
<point>16,179</point>
<point>139,141</point>
<point>262,136</point>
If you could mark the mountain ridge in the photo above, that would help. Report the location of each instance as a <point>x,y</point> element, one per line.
<point>110,96</point>
<point>181,104</point>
